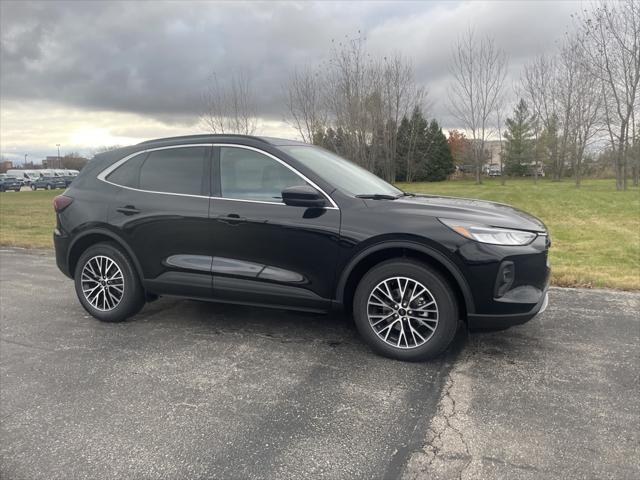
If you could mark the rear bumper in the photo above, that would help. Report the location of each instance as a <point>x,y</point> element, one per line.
<point>506,321</point>
<point>61,246</point>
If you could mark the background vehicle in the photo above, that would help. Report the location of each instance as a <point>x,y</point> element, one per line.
<point>9,182</point>
<point>494,171</point>
<point>68,179</point>
<point>280,223</point>
<point>48,183</point>
<point>23,175</point>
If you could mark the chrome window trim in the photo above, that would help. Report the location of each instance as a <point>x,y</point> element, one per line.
<point>107,171</point>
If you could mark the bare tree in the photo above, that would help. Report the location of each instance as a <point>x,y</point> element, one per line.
<point>230,107</point>
<point>305,102</point>
<point>499,114</point>
<point>538,83</point>
<point>399,96</point>
<point>611,49</point>
<point>479,69</point>
<point>563,85</point>
<point>586,113</point>
<point>362,97</point>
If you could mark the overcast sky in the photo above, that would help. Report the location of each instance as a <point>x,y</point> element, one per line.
<point>86,74</point>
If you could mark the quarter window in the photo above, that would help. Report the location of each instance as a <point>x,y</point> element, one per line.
<point>127,174</point>
<point>250,175</point>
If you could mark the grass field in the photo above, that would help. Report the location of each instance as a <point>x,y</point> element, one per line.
<point>595,229</point>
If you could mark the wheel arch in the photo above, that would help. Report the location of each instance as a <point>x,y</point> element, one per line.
<point>92,237</point>
<point>373,255</point>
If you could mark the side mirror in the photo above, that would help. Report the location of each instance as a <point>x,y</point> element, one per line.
<point>303,196</point>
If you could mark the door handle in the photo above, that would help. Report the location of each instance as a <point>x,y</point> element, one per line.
<point>128,210</point>
<point>232,219</point>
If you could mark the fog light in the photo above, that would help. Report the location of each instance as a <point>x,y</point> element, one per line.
<point>504,281</point>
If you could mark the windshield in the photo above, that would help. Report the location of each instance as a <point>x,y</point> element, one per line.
<point>343,174</point>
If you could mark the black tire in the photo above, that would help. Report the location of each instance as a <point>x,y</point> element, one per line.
<point>448,318</point>
<point>48,186</point>
<point>133,296</point>
<point>34,188</point>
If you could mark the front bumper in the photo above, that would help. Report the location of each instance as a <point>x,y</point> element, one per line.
<point>479,321</point>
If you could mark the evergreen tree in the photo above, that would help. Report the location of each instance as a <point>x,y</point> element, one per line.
<point>411,147</point>
<point>519,145</point>
<point>436,159</point>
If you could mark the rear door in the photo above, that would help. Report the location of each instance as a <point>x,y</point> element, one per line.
<point>161,211</point>
<point>266,252</point>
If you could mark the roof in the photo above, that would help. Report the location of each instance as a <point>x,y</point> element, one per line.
<point>219,138</point>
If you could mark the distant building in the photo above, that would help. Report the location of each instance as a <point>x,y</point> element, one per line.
<point>52,162</point>
<point>493,149</point>
<point>5,165</point>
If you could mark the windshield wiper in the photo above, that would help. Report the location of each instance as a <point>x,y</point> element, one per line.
<point>377,196</point>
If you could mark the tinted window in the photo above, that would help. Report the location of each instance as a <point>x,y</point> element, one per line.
<point>127,173</point>
<point>249,175</point>
<point>174,170</point>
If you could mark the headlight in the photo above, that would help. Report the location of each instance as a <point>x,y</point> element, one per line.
<point>486,234</point>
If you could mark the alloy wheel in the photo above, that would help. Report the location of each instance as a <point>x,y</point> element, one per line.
<point>402,312</point>
<point>102,283</point>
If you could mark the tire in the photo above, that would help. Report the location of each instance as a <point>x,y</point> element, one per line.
<point>48,186</point>
<point>435,330</point>
<point>34,188</point>
<point>131,298</point>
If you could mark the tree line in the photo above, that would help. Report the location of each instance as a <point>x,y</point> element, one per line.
<point>370,109</point>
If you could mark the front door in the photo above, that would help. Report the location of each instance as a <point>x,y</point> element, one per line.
<point>267,252</point>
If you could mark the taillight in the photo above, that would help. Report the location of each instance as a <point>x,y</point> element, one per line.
<point>61,202</point>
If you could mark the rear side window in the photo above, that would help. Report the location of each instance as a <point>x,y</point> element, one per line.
<point>174,170</point>
<point>249,175</point>
<point>128,173</point>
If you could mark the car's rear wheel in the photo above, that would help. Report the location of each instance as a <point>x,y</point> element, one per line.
<point>107,284</point>
<point>405,310</point>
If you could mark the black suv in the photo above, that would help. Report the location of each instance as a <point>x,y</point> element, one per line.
<point>279,223</point>
<point>48,183</point>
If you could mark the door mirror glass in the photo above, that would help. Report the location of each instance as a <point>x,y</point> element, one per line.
<point>303,196</point>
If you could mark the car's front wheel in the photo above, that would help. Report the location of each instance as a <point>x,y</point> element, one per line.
<point>405,310</point>
<point>107,284</point>
<point>34,188</point>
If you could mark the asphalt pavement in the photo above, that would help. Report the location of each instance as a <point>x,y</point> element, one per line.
<point>192,389</point>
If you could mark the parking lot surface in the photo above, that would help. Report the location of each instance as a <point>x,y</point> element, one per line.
<point>197,390</point>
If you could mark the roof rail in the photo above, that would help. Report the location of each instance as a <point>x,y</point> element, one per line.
<point>204,135</point>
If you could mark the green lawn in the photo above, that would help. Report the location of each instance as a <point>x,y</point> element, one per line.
<point>595,229</point>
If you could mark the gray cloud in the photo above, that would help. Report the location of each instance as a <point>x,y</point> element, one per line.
<point>154,58</point>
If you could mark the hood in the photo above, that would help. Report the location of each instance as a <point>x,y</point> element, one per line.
<point>477,211</point>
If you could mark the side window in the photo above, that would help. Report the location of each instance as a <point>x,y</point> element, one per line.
<point>249,175</point>
<point>127,174</point>
<point>174,170</point>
